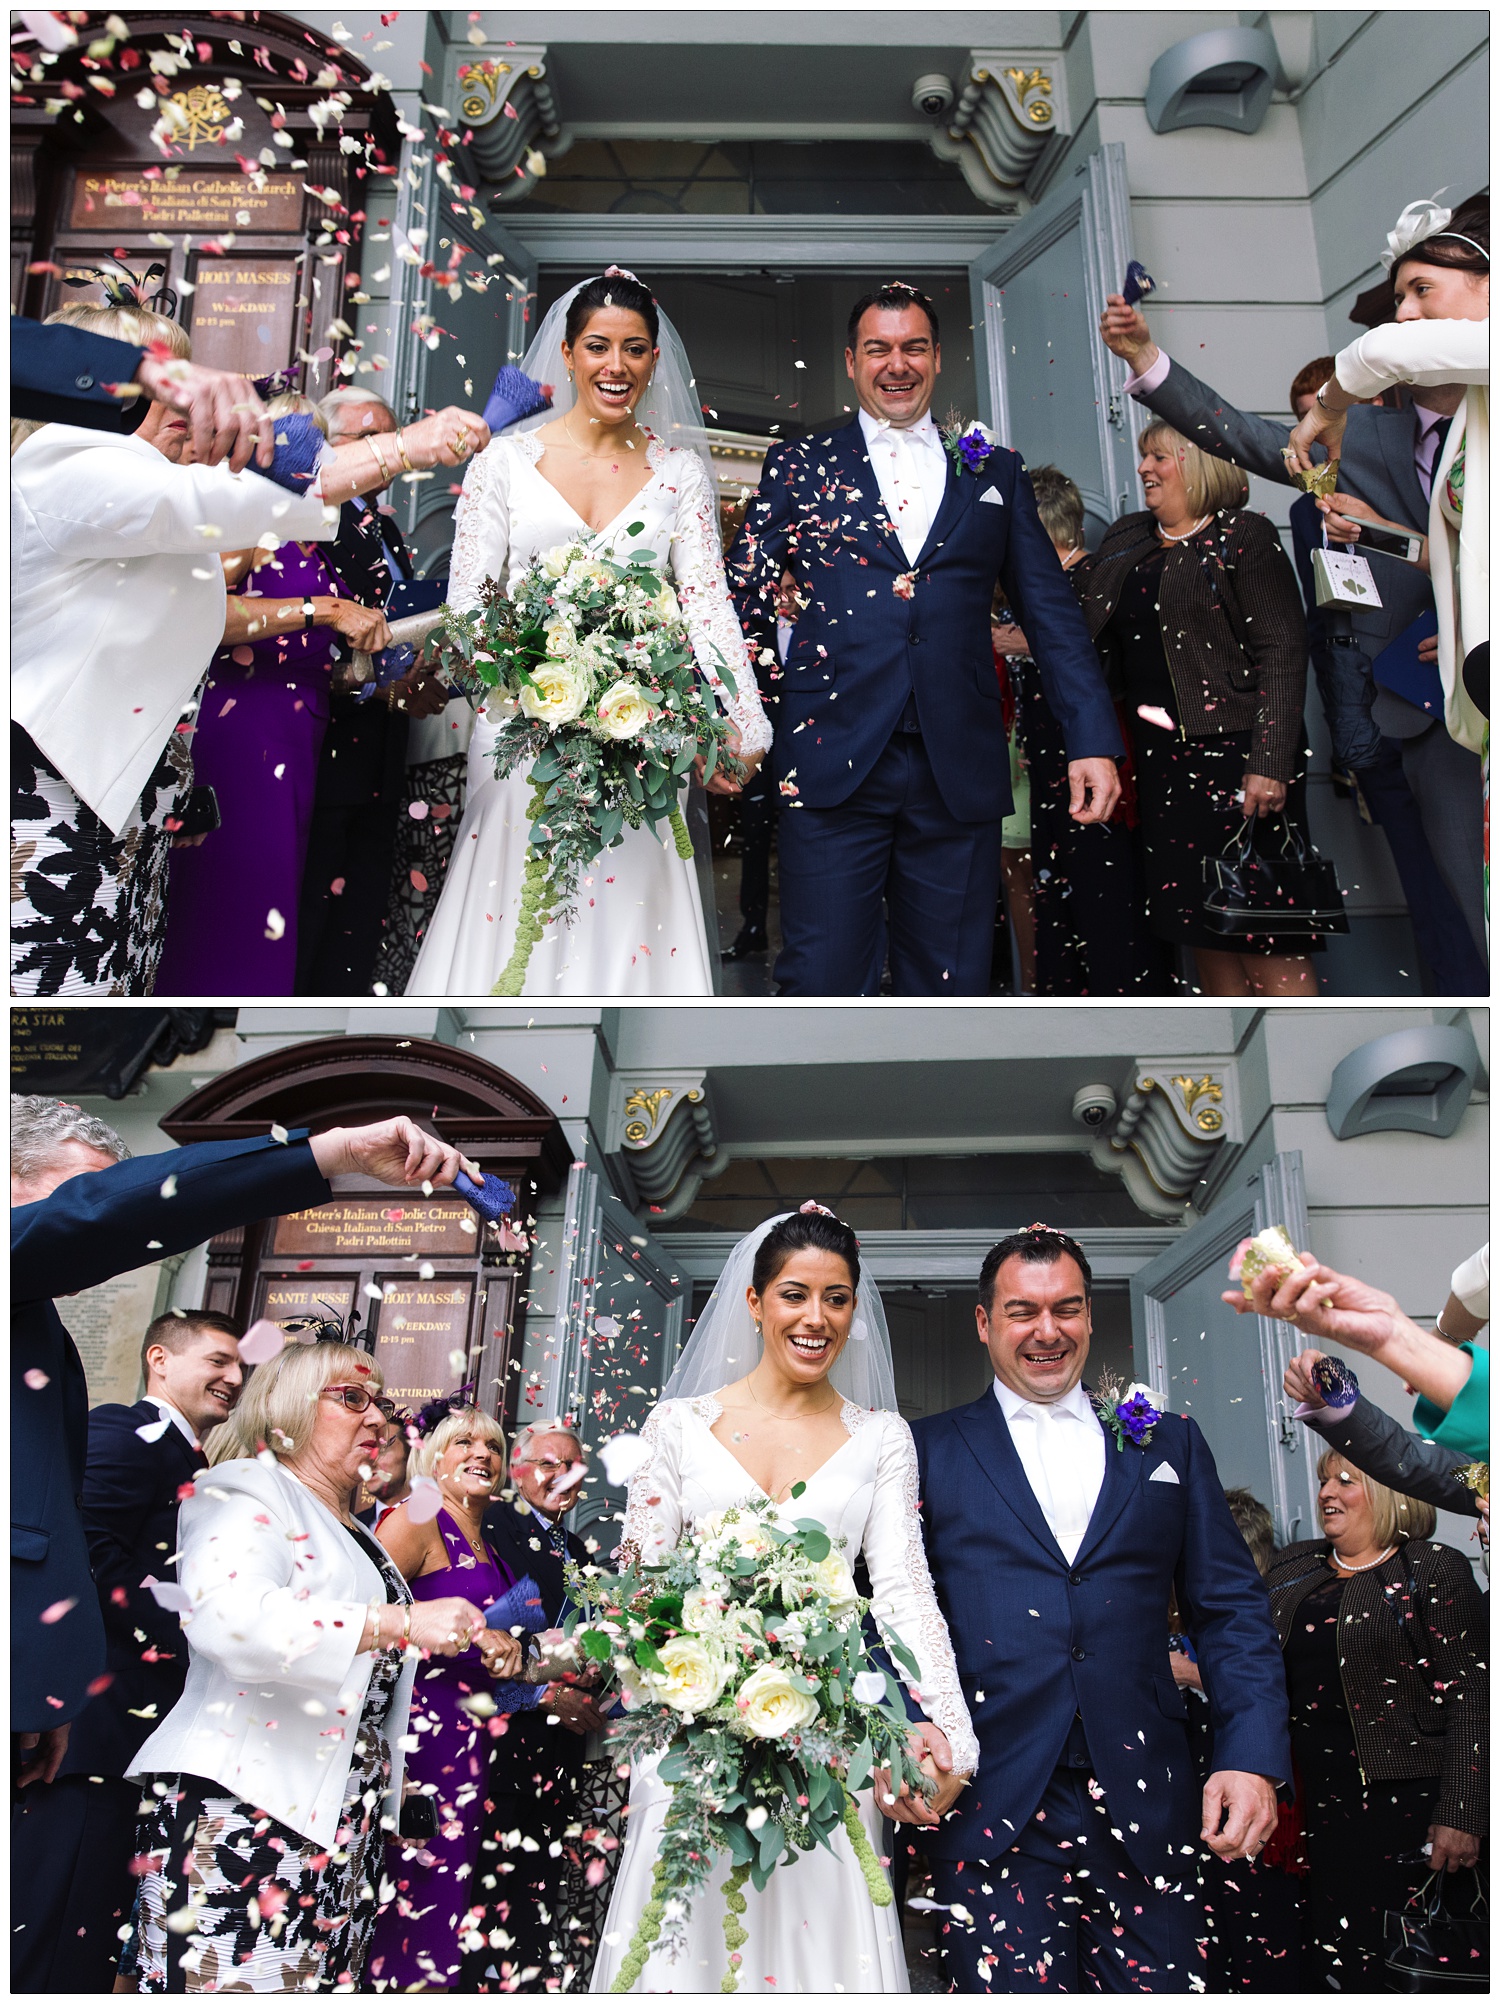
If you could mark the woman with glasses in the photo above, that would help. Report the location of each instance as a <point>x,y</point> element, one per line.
<point>418,1938</point>
<point>277,1776</point>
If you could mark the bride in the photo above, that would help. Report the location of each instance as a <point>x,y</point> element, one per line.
<point>818,1407</point>
<point>603,466</point>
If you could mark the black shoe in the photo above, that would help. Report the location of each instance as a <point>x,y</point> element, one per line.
<point>752,944</point>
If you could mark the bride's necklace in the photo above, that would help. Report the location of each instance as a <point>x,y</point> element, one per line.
<point>773,1414</point>
<point>1369,1565</point>
<point>583,451</point>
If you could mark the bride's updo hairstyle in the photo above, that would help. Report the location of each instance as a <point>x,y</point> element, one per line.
<point>804,1231</point>
<point>612,289</point>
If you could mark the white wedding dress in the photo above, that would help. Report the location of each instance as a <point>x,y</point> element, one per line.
<point>639,928</point>
<point>814,1927</point>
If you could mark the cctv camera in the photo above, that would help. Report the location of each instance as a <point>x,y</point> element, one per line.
<point>932,95</point>
<point>1094,1106</point>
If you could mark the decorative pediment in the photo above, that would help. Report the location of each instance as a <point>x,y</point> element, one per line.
<point>1171,1130</point>
<point>506,101</point>
<point>661,1131</point>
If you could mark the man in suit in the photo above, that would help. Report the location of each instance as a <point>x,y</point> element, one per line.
<point>362,765</point>
<point>1389,456</point>
<point>1053,1544</point>
<point>890,751</point>
<point>81,1214</point>
<point>72,1843</point>
<point>537,1766</point>
<point>66,375</point>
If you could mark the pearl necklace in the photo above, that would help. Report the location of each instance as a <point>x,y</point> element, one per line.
<point>1201,523</point>
<point>1369,1565</point>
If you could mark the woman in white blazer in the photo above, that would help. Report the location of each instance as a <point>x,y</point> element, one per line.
<point>117,606</point>
<point>277,1776</point>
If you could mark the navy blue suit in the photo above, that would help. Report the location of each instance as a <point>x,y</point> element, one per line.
<point>890,751</point>
<point>1066,1671</point>
<point>61,375</point>
<point>91,1228</point>
<point>71,1888</point>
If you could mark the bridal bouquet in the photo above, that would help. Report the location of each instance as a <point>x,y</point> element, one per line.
<point>742,1662</point>
<point>609,711</point>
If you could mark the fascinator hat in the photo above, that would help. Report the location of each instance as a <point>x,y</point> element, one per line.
<point>1420,222</point>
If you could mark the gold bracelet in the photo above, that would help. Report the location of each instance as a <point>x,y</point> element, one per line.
<point>385,471</point>
<point>405,1642</point>
<point>401,448</point>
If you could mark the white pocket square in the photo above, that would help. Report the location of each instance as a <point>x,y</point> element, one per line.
<point>1165,1473</point>
<point>993,495</point>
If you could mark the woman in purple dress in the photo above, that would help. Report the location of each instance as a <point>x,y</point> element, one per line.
<point>418,1937</point>
<point>232,923</point>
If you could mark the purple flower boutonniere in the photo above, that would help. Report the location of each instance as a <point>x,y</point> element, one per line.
<point>968,445</point>
<point>1129,1414</point>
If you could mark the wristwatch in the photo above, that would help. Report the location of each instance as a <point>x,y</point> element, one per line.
<point>309,615</point>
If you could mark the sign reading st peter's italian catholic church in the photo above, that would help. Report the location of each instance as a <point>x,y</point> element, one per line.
<point>212,146</point>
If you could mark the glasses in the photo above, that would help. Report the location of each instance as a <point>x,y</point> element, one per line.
<point>358,1400</point>
<point>548,1467</point>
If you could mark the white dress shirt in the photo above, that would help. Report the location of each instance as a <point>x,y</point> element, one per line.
<point>168,1411</point>
<point>1062,1451</point>
<point>911,469</point>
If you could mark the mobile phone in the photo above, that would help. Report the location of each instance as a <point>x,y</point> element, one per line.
<point>1389,542</point>
<point>201,815</point>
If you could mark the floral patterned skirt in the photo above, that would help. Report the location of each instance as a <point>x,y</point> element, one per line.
<point>88,908</point>
<point>234,1900</point>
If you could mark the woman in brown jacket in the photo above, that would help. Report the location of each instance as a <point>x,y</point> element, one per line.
<point>1384,1639</point>
<point>1196,614</point>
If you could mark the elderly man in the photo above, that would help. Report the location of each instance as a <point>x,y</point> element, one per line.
<point>537,1766</point>
<point>362,766</point>
<point>71,1884</point>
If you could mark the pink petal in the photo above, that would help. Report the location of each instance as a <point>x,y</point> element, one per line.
<point>261,1342</point>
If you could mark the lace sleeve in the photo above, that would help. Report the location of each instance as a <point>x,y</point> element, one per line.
<point>698,566</point>
<point>653,1505</point>
<point>481,528</point>
<point>905,1605</point>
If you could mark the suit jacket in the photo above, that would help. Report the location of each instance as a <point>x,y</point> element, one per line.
<point>1040,1642</point>
<point>91,1228</point>
<point>1376,465</point>
<point>58,375</point>
<point>532,1754</point>
<point>131,1490</point>
<point>1382,1447</point>
<point>862,648</point>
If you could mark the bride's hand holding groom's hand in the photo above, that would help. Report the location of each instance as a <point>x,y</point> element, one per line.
<point>930,1744</point>
<point>747,764</point>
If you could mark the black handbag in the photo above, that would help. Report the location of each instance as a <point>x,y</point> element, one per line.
<point>1294,893</point>
<point>1429,1946</point>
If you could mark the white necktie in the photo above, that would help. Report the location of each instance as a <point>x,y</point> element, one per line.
<point>908,496</point>
<point>1064,1505</point>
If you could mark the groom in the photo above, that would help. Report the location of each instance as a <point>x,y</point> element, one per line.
<point>890,750</point>
<point>1068,1863</point>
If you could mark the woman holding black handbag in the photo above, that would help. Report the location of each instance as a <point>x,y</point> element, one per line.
<point>1383,1634</point>
<point>1194,608</point>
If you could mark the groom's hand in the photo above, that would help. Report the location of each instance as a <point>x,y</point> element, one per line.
<point>1093,789</point>
<point>1245,1805</point>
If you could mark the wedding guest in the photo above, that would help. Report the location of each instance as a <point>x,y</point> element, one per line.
<point>279,1771</point>
<point>1452,1382</point>
<point>71,1844</point>
<point>418,1937</point>
<point>1383,1634</point>
<point>63,373</point>
<point>1195,611</point>
<point>1378,1445</point>
<point>115,616</point>
<point>389,1482</point>
<point>538,1765</point>
<point>362,765</point>
<point>1088,883</point>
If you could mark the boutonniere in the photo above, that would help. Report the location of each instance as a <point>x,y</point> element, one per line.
<point>967,445</point>
<point>1129,1414</point>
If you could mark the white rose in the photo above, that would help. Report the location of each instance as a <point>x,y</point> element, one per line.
<point>562,640</point>
<point>555,563</point>
<point>558,692</point>
<point>702,1612</point>
<point>772,1706</point>
<point>836,1583</point>
<point>624,711</point>
<point>692,1677</point>
<point>666,602</point>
